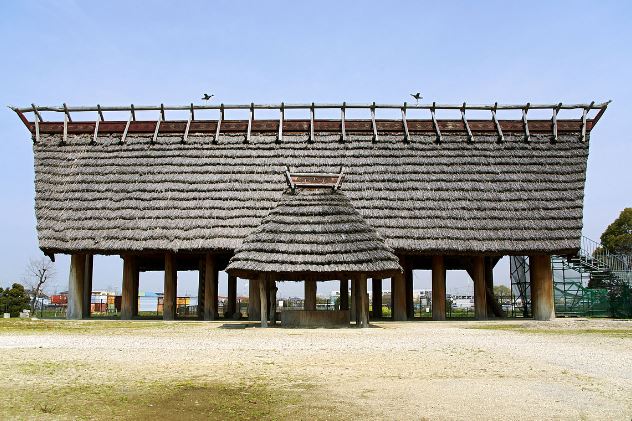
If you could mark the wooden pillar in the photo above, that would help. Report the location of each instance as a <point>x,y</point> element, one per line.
<point>127,293</point>
<point>398,291</point>
<point>254,305</point>
<point>87,287</point>
<point>408,277</point>
<point>263,302</point>
<point>76,281</point>
<point>363,301</point>
<point>344,294</point>
<point>272,293</point>
<point>480,292</point>
<point>170,300</point>
<point>310,295</point>
<point>542,302</point>
<point>201,287</point>
<point>376,290</point>
<point>354,302</point>
<point>210,287</point>
<point>489,285</point>
<point>231,307</point>
<point>135,286</point>
<point>438,288</point>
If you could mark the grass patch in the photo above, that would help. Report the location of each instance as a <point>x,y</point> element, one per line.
<point>182,400</point>
<point>620,333</point>
<point>39,326</point>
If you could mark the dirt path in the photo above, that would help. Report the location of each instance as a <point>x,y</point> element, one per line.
<point>575,369</point>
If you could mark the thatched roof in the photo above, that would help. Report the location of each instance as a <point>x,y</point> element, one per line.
<point>456,197</point>
<point>314,232</point>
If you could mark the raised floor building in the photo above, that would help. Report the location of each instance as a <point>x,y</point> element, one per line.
<point>310,200</point>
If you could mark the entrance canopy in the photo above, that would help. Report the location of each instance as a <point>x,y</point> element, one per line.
<point>314,234</point>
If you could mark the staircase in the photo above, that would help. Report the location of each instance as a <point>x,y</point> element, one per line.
<point>592,282</point>
<point>598,265</point>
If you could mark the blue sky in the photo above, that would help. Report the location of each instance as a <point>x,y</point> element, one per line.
<point>121,52</point>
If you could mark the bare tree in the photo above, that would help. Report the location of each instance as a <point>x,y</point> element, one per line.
<point>37,273</point>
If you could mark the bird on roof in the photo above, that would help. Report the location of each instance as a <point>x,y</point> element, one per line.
<point>206,97</point>
<point>417,97</point>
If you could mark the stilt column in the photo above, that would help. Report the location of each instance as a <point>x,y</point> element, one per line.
<point>127,293</point>
<point>254,298</point>
<point>353,310</point>
<point>376,290</point>
<point>76,281</point>
<point>438,288</point>
<point>263,302</point>
<point>480,292</point>
<point>363,302</point>
<point>210,288</point>
<point>87,288</point>
<point>344,294</point>
<point>398,291</point>
<point>170,300</point>
<point>310,295</point>
<point>542,304</point>
<point>232,297</point>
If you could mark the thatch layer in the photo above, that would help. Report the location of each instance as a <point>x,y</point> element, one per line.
<point>313,232</point>
<point>455,197</point>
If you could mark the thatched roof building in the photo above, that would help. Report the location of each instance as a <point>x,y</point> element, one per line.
<point>314,233</point>
<point>462,190</point>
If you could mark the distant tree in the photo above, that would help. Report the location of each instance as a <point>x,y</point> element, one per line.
<point>618,236</point>
<point>501,291</point>
<point>37,273</point>
<point>13,300</point>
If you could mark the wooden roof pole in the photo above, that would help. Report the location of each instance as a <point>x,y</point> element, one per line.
<point>525,122</point>
<point>501,137</point>
<point>405,124</point>
<point>219,123</point>
<point>342,120</point>
<point>470,137</point>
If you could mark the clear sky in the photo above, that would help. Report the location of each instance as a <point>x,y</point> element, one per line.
<point>122,52</point>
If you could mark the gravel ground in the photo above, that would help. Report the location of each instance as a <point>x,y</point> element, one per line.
<point>566,369</point>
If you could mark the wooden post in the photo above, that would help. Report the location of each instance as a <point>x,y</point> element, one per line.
<point>376,290</point>
<point>254,306</point>
<point>438,288</point>
<point>231,308</point>
<point>263,302</point>
<point>170,300</point>
<point>398,290</point>
<point>135,286</point>
<point>87,288</point>
<point>210,288</point>
<point>410,305</point>
<point>76,281</point>
<point>489,285</point>
<point>542,303</point>
<point>272,293</point>
<point>354,302</point>
<point>344,294</point>
<point>363,300</point>
<point>480,292</point>
<point>201,288</point>
<point>127,293</point>
<point>310,295</point>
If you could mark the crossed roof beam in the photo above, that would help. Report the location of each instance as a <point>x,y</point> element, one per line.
<point>312,107</point>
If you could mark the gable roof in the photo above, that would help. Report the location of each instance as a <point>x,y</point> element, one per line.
<point>313,232</point>
<point>457,197</point>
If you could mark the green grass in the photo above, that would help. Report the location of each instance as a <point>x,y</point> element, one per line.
<point>149,401</point>
<point>533,329</point>
<point>28,326</point>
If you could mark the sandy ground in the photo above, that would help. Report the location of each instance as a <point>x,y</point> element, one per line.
<point>566,369</point>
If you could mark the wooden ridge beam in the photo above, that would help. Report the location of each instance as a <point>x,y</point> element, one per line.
<point>303,126</point>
